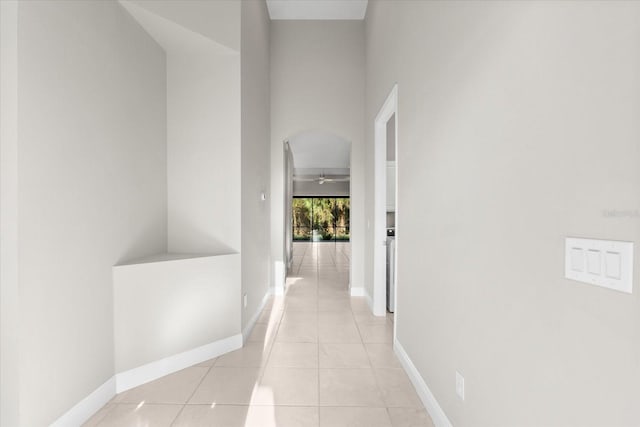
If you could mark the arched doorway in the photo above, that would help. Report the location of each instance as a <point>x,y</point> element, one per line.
<point>317,191</point>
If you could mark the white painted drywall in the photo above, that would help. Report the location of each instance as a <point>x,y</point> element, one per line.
<point>517,127</point>
<point>91,188</point>
<point>320,150</point>
<point>317,9</point>
<point>216,20</point>
<point>255,107</point>
<point>203,152</point>
<point>203,125</point>
<point>308,189</point>
<point>9,289</point>
<point>164,308</point>
<point>317,83</point>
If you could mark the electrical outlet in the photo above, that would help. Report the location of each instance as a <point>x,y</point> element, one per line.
<point>460,385</point>
<point>244,300</point>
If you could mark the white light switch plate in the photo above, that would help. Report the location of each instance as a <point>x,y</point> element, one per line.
<point>606,263</point>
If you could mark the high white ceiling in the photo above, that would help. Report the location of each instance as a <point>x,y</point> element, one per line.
<point>317,9</point>
<point>320,151</point>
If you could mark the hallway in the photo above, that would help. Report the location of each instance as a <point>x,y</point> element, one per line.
<point>316,357</point>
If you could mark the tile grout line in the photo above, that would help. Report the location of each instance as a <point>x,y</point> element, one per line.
<point>192,393</point>
<point>111,405</point>
<point>373,370</point>
<point>275,335</point>
<point>260,377</point>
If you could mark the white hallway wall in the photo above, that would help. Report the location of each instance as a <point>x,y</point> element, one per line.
<point>302,188</point>
<point>255,155</point>
<point>91,189</point>
<point>203,120</point>
<point>9,287</point>
<point>517,126</point>
<point>203,152</point>
<point>317,83</point>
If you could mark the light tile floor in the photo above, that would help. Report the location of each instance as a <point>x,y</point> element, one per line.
<point>317,357</point>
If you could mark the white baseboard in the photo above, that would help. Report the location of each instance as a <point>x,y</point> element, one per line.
<point>123,381</point>
<point>369,300</point>
<point>88,406</point>
<point>154,370</point>
<point>278,291</point>
<point>252,322</point>
<point>428,399</point>
<point>358,292</point>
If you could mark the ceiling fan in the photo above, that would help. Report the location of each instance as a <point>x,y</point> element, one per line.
<point>321,179</point>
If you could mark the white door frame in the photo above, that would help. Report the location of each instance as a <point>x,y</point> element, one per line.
<point>389,108</point>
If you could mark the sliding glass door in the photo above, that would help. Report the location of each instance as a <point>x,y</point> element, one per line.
<point>320,219</point>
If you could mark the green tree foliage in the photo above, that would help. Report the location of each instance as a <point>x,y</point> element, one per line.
<point>320,216</point>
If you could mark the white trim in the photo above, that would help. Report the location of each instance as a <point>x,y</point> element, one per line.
<point>88,406</point>
<point>154,370</point>
<point>428,399</point>
<point>389,108</point>
<point>124,381</point>
<point>252,322</point>
<point>370,301</point>
<point>358,292</point>
<point>279,278</point>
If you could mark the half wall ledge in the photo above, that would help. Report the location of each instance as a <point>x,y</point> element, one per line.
<point>171,304</point>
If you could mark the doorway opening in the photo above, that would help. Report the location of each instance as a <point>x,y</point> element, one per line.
<point>385,244</point>
<point>317,198</point>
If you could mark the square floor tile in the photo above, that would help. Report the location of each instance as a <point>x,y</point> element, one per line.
<point>339,317</point>
<point>354,417</point>
<point>381,355</point>
<point>298,332</point>
<point>173,388</point>
<point>410,417</point>
<point>334,304</point>
<point>368,317</point>
<point>397,389</point>
<point>270,316</point>
<point>343,355</point>
<point>233,386</point>
<point>247,416</point>
<point>376,333</point>
<point>288,386</point>
<point>346,332</point>
<point>212,415</point>
<point>294,355</point>
<point>360,304</point>
<point>263,332</point>
<point>300,316</point>
<point>282,416</point>
<point>253,354</point>
<point>330,290</point>
<point>349,387</point>
<point>296,303</point>
<point>131,414</point>
<point>98,416</point>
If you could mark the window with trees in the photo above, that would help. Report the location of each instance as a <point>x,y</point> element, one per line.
<point>320,219</point>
